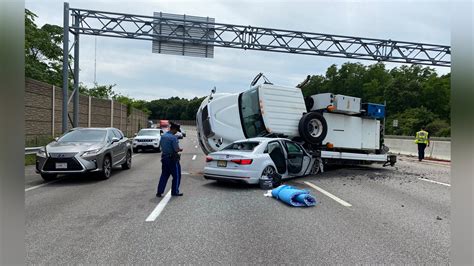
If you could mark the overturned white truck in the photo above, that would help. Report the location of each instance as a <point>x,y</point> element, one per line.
<point>335,128</point>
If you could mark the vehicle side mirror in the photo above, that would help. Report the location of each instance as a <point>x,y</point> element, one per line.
<point>115,139</point>
<point>135,134</point>
<point>56,138</point>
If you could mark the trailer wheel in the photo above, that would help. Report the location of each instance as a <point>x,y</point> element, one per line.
<point>313,127</point>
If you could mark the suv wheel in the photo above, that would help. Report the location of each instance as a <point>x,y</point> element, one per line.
<point>106,167</point>
<point>128,161</point>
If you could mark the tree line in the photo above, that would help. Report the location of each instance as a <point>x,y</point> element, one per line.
<point>416,96</point>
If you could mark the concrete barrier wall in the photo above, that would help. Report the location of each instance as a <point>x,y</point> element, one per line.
<point>43,113</point>
<point>438,149</point>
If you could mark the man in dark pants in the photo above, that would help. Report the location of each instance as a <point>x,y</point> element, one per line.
<point>170,161</point>
<point>422,139</point>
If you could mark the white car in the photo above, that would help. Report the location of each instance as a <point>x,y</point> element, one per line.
<point>148,138</point>
<point>248,160</point>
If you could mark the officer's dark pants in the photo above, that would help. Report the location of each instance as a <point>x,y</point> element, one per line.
<point>169,167</point>
<point>421,151</point>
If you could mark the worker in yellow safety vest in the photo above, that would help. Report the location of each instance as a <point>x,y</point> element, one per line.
<point>422,139</point>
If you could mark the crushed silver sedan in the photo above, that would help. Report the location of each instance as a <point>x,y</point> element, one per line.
<point>83,150</point>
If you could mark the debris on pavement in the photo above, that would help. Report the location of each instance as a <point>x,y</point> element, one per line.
<point>293,196</point>
<point>438,218</point>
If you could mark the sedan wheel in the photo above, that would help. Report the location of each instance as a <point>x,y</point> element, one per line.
<point>128,161</point>
<point>106,168</point>
<point>315,168</point>
<point>268,171</point>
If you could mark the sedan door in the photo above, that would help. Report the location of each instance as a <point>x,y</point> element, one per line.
<point>295,158</point>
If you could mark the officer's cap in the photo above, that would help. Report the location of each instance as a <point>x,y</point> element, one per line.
<point>175,126</point>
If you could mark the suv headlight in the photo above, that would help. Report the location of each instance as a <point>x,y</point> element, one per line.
<point>41,152</point>
<point>91,152</point>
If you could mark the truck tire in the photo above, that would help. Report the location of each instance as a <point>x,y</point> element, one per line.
<point>313,127</point>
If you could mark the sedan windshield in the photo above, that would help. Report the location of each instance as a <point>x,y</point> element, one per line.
<point>86,135</point>
<point>149,133</point>
<point>250,115</point>
<point>242,146</point>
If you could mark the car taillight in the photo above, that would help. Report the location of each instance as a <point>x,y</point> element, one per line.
<point>208,159</point>
<point>242,161</point>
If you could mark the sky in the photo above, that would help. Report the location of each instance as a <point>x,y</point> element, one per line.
<point>141,74</point>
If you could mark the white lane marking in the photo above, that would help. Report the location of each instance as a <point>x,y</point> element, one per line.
<point>159,208</point>
<point>185,173</point>
<point>340,201</point>
<point>41,185</point>
<point>194,157</point>
<point>196,146</point>
<point>436,182</point>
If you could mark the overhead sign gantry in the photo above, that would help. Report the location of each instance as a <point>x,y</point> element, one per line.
<point>198,36</point>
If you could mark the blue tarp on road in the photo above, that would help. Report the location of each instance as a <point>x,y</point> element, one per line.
<point>294,196</point>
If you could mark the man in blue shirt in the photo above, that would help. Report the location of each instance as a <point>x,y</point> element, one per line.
<point>170,161</point>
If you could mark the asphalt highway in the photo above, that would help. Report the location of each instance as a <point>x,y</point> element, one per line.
<point>365,214</point>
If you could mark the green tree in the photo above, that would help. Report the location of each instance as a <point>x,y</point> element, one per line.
<point>43,52</point>
<point>414,94</point>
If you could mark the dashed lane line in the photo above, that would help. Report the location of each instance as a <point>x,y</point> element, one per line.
<point>194,157</point>
<point>436,182</point>
<point>159,208</point>
<point>338,200</point>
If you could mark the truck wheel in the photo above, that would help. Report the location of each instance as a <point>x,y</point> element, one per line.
<point>313,127</point>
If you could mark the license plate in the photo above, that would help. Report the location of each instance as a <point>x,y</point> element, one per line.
<point>222,163</point>
<point>61,165</point>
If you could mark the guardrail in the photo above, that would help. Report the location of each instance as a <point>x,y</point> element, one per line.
<point>32,150</point>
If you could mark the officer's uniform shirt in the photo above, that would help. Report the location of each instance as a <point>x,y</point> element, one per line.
<point>169,144</point>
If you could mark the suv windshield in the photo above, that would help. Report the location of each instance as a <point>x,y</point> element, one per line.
<point>85,135</point>
<point>149,133</point>
<point>242,146</point>
<point>250,115</point>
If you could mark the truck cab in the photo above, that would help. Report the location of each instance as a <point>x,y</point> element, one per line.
<point>260,111</point>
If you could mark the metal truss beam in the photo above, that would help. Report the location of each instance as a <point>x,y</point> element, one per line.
<point>257,38</point>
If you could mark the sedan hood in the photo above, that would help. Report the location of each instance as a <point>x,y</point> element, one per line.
<point>66,147</point>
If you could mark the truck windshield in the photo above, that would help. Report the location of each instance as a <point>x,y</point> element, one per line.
<point>250,115</point>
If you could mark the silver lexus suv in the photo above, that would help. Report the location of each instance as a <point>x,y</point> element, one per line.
<point>82,150</point>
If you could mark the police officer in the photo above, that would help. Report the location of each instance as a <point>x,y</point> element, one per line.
<point>422,139</point>
<point>170,161</point>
